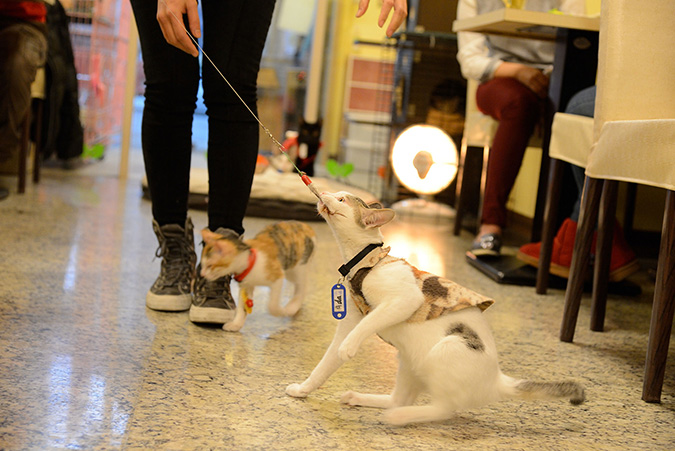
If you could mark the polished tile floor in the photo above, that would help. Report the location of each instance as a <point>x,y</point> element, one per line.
<point>84,365</point>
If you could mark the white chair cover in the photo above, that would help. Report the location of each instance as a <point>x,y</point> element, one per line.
<point>571,138</point>
<point>634,127</point>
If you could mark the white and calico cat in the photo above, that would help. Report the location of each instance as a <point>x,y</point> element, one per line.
<point>280,251</point>
<point>444,342</point>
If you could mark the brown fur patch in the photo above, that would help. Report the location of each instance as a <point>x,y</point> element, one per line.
<point>441,295</point>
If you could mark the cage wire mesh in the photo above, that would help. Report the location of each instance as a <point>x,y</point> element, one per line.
<point>99,31</point>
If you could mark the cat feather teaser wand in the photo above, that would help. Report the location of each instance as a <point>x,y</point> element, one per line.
<point>304,177</point>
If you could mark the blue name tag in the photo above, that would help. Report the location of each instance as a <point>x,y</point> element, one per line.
<point>339,301</point>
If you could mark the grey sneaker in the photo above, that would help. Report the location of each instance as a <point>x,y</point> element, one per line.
<point>212,301</point>
<point>171,291</point>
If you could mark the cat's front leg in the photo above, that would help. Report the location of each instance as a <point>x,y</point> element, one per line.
<point>240,313</point>
<point>387,314</point>
<point>330,361</point>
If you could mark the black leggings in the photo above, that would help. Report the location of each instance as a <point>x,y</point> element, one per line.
<point>234,33</point>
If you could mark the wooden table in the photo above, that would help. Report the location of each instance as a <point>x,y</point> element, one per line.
<point>574,66</point>
<point>525,24</point>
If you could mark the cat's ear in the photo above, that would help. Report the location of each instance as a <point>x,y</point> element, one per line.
<point>208,236</point>
<point>375,205</point>
<point>376,217</point>
<point>226,247</point>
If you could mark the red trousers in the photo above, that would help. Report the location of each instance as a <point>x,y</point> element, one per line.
<point>518,110</point>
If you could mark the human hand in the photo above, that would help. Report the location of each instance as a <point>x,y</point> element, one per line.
<point>533,79</point>
<point>400,8</point>
<point>170,15</point>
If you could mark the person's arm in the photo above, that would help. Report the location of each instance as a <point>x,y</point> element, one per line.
<point>475,62</point>
<point>472,53</point>
<point>529,76</point>
<point>576,7</point>
<point>170,15</point>
<point>400,8</point>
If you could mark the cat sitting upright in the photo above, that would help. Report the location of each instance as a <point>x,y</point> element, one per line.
<point>444,343</point>
<point>280,250</point>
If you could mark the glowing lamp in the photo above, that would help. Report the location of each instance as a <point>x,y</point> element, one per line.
<point>424,159</point>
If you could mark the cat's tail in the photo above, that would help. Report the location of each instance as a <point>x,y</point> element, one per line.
<point>524,389</point>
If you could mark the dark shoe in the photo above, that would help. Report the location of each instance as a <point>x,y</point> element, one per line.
<point>212,301</point>
<point>171,291</point>
<point>488,245</point>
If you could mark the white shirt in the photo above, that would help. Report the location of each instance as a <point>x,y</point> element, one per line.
<point>479,55</point>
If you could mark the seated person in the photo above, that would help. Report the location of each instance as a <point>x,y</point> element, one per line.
<point>623,261</point>
<point>513,76</point>
<point>23,48</point>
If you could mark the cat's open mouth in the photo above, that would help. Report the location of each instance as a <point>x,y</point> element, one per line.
<point>323,208</point>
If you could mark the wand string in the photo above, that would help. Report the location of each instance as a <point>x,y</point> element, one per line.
<point>305,178</point>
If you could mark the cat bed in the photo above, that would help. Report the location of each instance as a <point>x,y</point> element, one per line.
<point>274,194</point>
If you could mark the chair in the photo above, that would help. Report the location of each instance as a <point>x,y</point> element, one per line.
<point>571,140</point>
<point>37,89</point>
<point>479,130</point>
<point>634,141</point>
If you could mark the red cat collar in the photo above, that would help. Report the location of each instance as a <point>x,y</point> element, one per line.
<point>251,261</point>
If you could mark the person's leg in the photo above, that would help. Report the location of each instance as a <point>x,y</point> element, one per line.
<point>623,260</point>
<point>171,83</point>
<point>582,104</point>
<point>518,110</point>
<point>234,37</point>
<point>23,49</point>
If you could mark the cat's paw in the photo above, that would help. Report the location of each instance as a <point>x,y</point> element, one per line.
<point>351,398</point>
<point>232,326</point>
<point>292,308</point>
<point>296,391</point>
<point>347,349</point>
<point>395,417</point>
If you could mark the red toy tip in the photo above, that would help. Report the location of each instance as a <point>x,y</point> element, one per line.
<point>306,179</point>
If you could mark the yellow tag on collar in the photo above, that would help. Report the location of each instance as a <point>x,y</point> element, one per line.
<point>248,302</point>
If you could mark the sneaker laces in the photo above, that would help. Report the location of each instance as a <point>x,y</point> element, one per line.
<point>177,259</point>
<point>212,289</point>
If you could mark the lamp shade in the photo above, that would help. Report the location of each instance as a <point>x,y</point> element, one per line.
<point>424,159</point>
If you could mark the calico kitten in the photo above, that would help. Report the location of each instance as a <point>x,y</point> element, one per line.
<point>444,342</point>
<point>280,251</point>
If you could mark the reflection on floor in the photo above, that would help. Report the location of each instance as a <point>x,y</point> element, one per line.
<point>84,364</point>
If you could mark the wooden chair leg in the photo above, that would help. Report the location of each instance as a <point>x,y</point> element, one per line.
<point>548,227</point>
<point>603,254</point>
<point>663,308</point>
<point>23,153</point>
<point>581,256</point>
<point>460,206</point>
